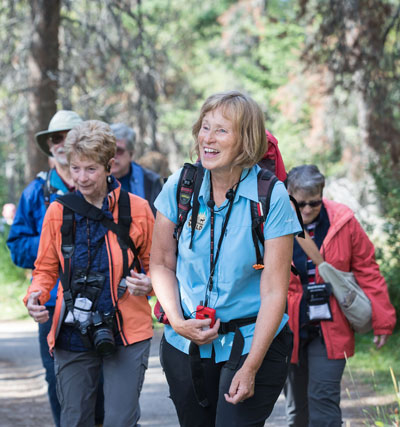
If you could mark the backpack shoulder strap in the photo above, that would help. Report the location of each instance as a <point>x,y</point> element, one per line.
<point>48,189</point>
<point>67,250</point>
<point>189,182</point>
<point>266,181</point>
<point>124,210</point>
<point>82,207</point>
<point>259,211</point>
<point>124,221</point>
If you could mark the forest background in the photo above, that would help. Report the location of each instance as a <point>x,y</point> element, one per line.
<point>326,74</point>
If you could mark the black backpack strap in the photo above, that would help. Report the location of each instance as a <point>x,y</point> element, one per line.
<point>48,189</point>
<point>196,203</point>
<point>234,325</point>
<point>268,164</point>
<point>67,250</point>
<point>266,181</point>
<point>189,182</point>
<point>83,208</point>
<point>197,373</point>
<point>299,217</point>
<point>124,221</point>
<point>259,211</point>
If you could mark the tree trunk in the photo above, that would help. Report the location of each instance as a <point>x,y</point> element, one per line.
<point>43,73</point>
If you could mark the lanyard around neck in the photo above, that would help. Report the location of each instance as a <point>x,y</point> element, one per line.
<point>213,262</point>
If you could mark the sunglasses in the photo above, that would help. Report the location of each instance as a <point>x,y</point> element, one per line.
<point>57,138</point>
<point>312,204</point>
<point>120,151</point>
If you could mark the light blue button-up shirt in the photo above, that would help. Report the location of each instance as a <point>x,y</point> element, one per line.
<point>236,289</point>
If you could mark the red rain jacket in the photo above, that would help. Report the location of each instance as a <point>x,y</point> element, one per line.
<point>348,248</point>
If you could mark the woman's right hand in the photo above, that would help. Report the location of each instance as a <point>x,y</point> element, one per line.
<point>192,329</point>
<point>39,312</point>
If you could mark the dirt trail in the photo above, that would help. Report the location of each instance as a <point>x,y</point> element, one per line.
<point>23,396</point>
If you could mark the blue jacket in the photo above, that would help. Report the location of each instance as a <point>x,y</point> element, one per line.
<point>24,236</point>
<point>143,183</point>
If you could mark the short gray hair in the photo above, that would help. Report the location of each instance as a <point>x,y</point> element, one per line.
<point>122,131</point>
<point>305,178</point>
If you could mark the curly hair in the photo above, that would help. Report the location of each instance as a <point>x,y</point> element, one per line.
<point>92,139</point>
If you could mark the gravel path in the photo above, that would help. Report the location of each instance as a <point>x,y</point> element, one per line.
<point>23,398</point>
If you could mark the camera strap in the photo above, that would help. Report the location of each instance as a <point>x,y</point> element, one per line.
<point>82,207</point>
<point>74,203</point>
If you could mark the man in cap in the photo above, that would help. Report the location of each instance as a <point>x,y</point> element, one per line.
<point>133,177</point>
<point>23,239</point>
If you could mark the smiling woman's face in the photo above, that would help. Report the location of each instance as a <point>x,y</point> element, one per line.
<point>89,177</point>
<point>217,142</point>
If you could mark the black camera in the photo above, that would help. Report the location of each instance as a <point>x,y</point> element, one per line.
<point>101,329</point>
<point>88,285</point>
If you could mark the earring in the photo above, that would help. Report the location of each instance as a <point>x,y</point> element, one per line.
<point>109,179</point>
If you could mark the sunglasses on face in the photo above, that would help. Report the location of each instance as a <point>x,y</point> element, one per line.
<point>120,151</point>
<point>57,138</point>
<point>312,204</point>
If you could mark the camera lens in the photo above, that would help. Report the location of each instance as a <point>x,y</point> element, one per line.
<point>103,340</point>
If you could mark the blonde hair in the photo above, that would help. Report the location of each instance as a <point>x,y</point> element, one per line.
<point>91,139</point>
<point>248,122</point>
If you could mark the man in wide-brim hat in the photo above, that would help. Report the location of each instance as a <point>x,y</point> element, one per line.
<point>62,122</point>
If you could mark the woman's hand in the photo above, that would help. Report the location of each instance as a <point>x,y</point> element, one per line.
<point>39,312</point>
<point>242,386</point>
<point>380,340</point>
<point>138,284</point>
<point>197,330</point>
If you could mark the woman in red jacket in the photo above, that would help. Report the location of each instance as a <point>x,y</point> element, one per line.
<point>323,338</point>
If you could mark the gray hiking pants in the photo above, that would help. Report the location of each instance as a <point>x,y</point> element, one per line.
<point>312,388</point>
<point>77,376</point>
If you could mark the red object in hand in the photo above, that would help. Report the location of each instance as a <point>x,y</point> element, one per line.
<point>206,313</point>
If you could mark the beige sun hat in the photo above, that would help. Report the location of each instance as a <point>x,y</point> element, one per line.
<point>63,120</point>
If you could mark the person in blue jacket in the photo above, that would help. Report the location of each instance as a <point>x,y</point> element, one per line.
<point>133,178</point>
<point>24,236</point>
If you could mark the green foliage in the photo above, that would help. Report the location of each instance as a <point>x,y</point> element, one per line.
<point>387,181</point>
<point>13,285</point>
<point>380,370</point>
<point>367,358</point>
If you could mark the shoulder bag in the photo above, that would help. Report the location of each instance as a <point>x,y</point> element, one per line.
<point>351,298</point>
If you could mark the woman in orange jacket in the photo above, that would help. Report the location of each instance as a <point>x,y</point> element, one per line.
<point>323,338</point>
<point>102,318</point>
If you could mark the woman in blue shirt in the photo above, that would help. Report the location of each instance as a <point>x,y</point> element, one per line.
<point>210,382</point>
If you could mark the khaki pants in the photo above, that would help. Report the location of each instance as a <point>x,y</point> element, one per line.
<point>77,376</point>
